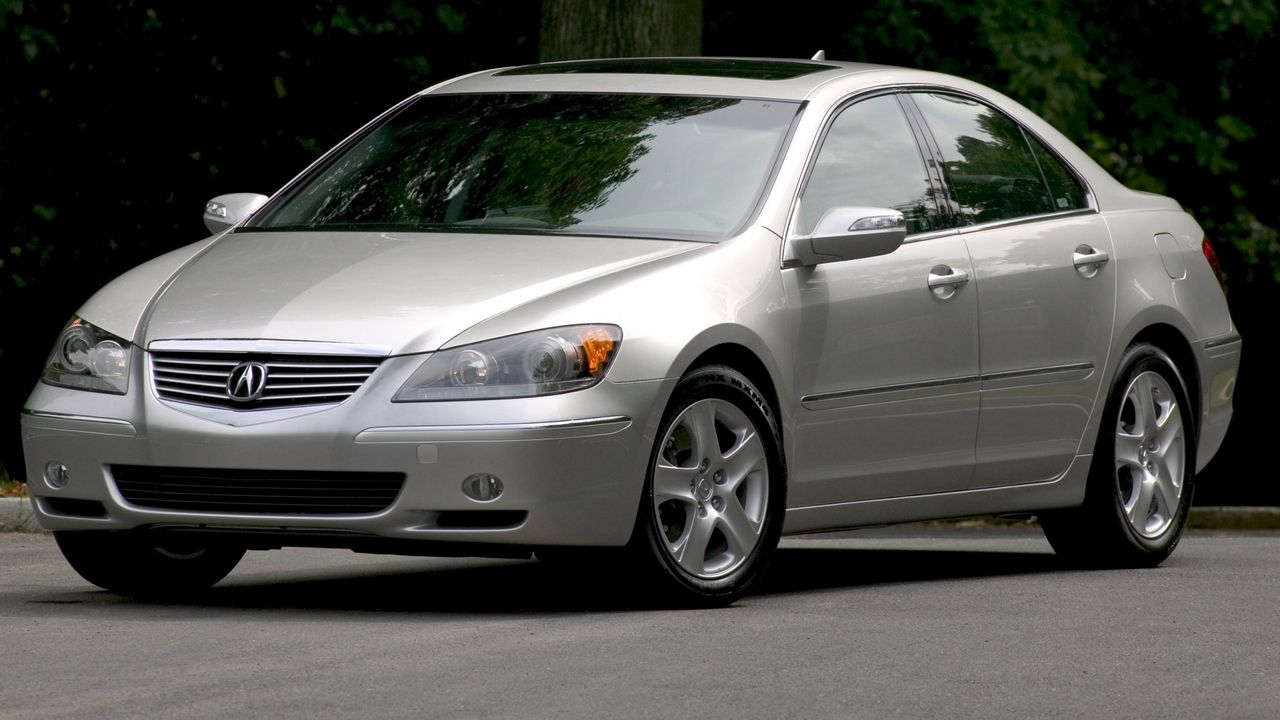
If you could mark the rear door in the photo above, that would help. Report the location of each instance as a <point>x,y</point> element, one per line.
<point>1046,301</point>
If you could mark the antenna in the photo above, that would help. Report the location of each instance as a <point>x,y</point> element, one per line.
<point>820,55</point>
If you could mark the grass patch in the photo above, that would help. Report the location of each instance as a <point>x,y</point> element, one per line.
<point>10,487</point>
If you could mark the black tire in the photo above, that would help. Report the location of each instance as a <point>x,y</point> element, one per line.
<point>1099,532</point>
<point>142,565</point>
<point>651,543</point>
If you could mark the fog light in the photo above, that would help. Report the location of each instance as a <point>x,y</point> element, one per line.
<point>56,475</point>
<point>482,487</point>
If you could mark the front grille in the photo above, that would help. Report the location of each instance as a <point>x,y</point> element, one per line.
<point>257,492</point>
<point>202,378</point>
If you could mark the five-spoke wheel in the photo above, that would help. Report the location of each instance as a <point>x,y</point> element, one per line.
<point>710,488</point>
<point>1140,482</point>
<point>1150,454</point>
<point>712,512</point>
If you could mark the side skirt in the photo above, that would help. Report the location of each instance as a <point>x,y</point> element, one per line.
<point>1067,490</point>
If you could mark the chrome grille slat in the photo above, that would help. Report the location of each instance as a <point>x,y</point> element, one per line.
<point>304,397</point>
<point>319,376</point>
<point>200,373</point>
<point>304,386</point>
<point>193,393</point>
<point>292,380</point>
<point>323,365</point>
<point>181,361</point>
<point>197,383</point>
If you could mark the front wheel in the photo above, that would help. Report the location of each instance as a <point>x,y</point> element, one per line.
<point>135,564</point>
<point>1141,479</point>
<point>713,501</point>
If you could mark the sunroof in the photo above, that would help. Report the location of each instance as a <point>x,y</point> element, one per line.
<point>710,67</point>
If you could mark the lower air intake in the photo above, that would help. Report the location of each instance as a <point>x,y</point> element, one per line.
<point>257,492</point>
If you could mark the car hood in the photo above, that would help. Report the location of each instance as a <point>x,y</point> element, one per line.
<point>407,292</point>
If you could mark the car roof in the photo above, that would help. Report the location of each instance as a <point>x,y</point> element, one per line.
<point>772,78</point>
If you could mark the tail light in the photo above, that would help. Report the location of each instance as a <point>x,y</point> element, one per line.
<point>1212,256</point>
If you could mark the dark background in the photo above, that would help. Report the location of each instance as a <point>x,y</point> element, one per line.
<point>119,119</point>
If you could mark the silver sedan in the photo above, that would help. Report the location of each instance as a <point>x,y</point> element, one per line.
<point>663,309</point>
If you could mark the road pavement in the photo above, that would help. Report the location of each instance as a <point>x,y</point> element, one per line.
<point>907,623</point>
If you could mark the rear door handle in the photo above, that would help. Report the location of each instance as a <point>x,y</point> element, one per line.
<point>944,282</point>
<point>1089,260</point>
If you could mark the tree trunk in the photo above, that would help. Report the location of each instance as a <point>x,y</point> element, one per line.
<point>575,29</point>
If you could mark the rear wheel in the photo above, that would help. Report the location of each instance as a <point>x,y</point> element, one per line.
<point>713,500</point>
<point>136,564</point>
<point>1142,477</point>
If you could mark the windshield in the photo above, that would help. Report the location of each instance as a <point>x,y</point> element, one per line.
<point>662,166</point>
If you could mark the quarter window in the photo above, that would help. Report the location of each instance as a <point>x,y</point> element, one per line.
<point>1064,190</point>
<point>989,163</point>
<point>870,158</point>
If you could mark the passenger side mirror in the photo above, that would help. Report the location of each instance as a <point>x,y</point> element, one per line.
<point>227,211</point>
<point>849,233</point>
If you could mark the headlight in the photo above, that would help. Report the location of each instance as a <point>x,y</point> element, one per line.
<point>89,359</point>
<point>542,362</point>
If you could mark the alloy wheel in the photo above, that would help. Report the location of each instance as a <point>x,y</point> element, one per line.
<point>711,488</point>
<point>1150,454</point>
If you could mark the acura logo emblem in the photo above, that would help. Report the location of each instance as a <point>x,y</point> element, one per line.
<point>247,381</point>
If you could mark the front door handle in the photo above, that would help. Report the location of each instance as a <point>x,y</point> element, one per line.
<point>1089,260</point>
<point>945,282</point>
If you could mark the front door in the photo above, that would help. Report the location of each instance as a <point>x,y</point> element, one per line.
<point>887,366</point>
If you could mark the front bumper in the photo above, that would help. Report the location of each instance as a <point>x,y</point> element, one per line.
<point>573,465</point>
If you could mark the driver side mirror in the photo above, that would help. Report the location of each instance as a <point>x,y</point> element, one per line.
<point>227,211</point>
<point>849,233</point>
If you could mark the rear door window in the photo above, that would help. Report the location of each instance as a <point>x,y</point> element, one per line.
<point>994,170</point>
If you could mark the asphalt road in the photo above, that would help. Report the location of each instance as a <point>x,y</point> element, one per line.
<point>938,624</point>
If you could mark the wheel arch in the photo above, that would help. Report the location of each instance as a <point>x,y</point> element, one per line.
<point>744,360</point>
<point>1099,532</point>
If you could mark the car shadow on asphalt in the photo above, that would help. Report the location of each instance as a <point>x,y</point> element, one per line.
<point>799,570</point>
<point>530,587</point>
